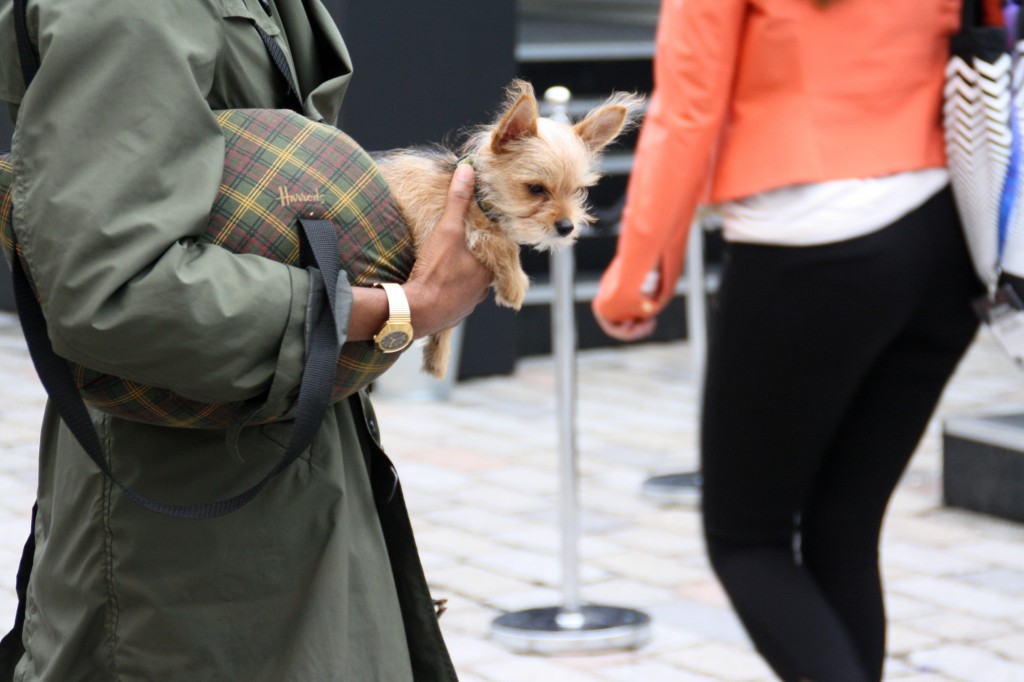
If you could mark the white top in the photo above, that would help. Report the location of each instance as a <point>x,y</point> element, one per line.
<point>825,212</point>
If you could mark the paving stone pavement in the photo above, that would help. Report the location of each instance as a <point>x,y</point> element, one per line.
<point>480,470</point>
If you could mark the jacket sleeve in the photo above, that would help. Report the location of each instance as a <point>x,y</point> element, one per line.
<point>118,158</point>
<point>695,60</point>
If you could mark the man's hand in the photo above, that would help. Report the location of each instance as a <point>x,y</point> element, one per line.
<point>447,282</point>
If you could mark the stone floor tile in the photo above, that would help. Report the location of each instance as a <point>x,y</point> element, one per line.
<point>533,598</point>
<point>902,640</point>
<point>539,570</point>
<point>963,597</point>
<point>1010,646</point>
<point>969,664</point>
<point>667,638</point>
<point>651,672</point>
<point>653,569</point>
<point>529,668</point>
<point>1006,580</point>
<point>478,521</point>
<point>715,624</point>
<point>455,542</point>
<point>625,592</point>
<point>1008,553</point>
<point>498,499</point>
<point>958,626</point>
<point>723,662</point>
<point>475,583</point>
<point>468,651</point>
<point>922,558</point>
<point>899,607</point>
<point>705,591</point>
<point>659,541</point>
<point>469,677</point>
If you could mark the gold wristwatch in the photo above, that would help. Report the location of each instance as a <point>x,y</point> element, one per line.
<point>396,334</point>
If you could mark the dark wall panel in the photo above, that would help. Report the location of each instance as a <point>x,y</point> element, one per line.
<point>423,70</point>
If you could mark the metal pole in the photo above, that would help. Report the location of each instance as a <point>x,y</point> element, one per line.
<point>572,626</point>
<point>685,486</point>
<point>564,342</point>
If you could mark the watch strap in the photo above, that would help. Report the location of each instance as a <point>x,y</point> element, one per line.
<point>398,304</point>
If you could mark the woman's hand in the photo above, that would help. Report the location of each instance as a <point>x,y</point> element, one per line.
<point>629,330</point>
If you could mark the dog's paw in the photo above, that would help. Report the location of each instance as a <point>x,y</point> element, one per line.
<point>510,292</point>
<point>435,353</point>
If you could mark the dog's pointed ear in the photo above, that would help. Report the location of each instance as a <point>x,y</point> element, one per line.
<point>605,123</point>
<point>519,119</point>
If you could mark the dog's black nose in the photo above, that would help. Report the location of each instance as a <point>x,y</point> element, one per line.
<point>564,227</point>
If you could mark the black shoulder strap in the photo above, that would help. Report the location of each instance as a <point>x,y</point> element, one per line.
<point>281,62</point>
<point>320,238</point>
<point>26,53</point>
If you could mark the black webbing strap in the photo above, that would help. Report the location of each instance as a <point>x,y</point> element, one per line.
<point>319,244</point>
<point>975,39</point>
<point>281,62</point>
<point>12,648</point>
<point>27,53</point>
<point>311,403</point>
<point>970,14</point>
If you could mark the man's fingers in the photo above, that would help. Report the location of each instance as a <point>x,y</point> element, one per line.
<point>461,190</point>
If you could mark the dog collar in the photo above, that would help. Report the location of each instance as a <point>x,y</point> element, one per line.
<point>486,207</point>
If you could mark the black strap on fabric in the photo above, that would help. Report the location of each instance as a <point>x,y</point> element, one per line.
<point>321,248</point>
<point>281,62</point>
<point>11,646</point>
<point>970,14</point>
<point>26,52</point>
<point>975,40</point>
<point>311,404</point>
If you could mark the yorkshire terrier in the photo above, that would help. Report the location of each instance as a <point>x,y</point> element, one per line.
<point>532,176</point>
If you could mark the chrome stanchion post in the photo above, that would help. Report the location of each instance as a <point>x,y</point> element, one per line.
<point>572,626</point>
<point>563,313</point>
<point>685,486</point>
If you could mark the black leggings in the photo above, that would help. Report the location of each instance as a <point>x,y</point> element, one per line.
<point>824,368</point>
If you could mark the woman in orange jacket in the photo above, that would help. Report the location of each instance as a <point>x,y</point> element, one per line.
<point>844,306</point>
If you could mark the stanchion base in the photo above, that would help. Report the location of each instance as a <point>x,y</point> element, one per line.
<point>674,488</point>
<point>553,630</point>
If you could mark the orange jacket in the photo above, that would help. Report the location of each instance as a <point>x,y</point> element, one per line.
<point>752,95</point>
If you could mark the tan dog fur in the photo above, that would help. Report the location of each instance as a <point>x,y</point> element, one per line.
<point>531,176</point>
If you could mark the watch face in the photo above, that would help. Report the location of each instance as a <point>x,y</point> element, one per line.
<point>394,341</point>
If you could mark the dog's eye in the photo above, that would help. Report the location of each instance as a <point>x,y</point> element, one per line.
<point>537,190</point>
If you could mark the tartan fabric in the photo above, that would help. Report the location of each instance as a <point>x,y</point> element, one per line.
<point>6,207</point>
<point>278,166</point>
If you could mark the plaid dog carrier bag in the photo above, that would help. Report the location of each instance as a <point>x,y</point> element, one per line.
<point>279,168</point>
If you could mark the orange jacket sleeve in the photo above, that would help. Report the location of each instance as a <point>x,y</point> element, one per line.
<point>694,64</point>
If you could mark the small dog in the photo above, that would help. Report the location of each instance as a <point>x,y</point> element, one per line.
<point>532,174</point>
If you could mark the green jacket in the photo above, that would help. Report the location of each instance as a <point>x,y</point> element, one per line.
<point>118,158</point>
